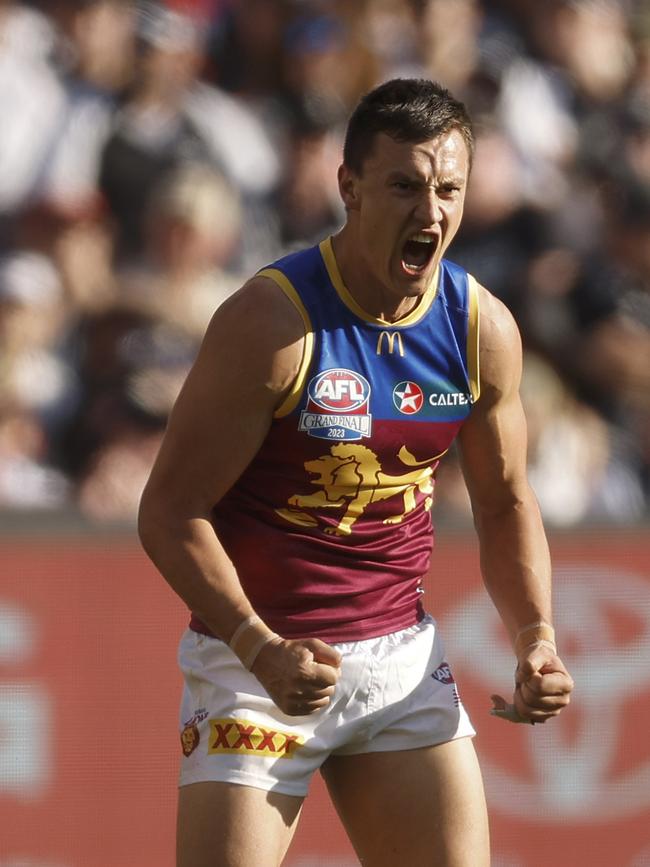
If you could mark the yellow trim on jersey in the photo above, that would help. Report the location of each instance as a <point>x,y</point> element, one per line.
<point>291,400</point>
<point>420,310</point>
<point>473,339</point>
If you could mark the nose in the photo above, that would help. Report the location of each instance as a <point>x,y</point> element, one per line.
<point>428,210</point>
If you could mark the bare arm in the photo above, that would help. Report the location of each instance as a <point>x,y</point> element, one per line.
<point>515,560</point>
<point>246,365</point>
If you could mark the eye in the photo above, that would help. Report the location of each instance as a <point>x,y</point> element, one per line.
<point>402,186</point>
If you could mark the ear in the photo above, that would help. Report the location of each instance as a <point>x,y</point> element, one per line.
<point>349,188</point>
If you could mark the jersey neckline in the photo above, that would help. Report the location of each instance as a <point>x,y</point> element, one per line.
<point>418,312</point>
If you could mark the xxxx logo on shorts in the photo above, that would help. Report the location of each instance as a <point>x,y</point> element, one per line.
<point>244,736</point>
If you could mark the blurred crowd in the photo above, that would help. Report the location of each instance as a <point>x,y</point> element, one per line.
<point>152,156</point>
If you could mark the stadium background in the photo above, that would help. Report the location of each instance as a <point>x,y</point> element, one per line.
<point>152,156</point>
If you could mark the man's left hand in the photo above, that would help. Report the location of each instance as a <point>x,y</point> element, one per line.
<point>542,688</point>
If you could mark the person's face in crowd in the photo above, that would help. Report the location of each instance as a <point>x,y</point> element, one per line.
<point>406,207</point>
<point>102,34</point>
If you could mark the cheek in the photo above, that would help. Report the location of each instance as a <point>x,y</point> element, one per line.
<point>382,245</point>
<point>372,231</point>
<point>453,219</point>
<point>379,224</point>
<point>378,231</point>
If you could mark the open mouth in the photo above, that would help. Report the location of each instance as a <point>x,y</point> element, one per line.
<point>417,253</point>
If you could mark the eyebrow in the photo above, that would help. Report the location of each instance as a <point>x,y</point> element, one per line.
<point>455,180</point>
<point>452,180</point>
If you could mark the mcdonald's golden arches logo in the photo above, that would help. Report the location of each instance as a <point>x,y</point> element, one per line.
<point>392,337</point>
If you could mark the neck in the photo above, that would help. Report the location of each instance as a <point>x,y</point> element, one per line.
<point>368,292</point>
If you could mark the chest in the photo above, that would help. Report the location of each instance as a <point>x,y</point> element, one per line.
<point>363,375</point>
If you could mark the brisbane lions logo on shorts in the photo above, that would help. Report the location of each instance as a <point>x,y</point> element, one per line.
<point>337,406</point>
<point>189,739</point>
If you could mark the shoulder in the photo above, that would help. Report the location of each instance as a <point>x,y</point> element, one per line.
<point>257,333</point>
<point>261,304</point>
<point>498,326</point>
<point>499,344</point>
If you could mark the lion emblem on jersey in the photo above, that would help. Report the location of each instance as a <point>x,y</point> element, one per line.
<point>350,477</point>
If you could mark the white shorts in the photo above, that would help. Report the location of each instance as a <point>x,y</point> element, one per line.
<point>395,692</point>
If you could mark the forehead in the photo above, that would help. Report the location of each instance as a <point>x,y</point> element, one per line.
<point>446,154</point>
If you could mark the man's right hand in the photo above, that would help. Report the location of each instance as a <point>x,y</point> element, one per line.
<point>299,674</point>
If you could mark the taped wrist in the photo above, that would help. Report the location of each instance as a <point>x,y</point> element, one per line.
<point>540,634</point>
<point>249,638</point>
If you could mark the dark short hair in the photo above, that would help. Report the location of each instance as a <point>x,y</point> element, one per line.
<point>407,110</point>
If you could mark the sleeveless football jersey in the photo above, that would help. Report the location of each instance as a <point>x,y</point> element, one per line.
<point>329,526</point>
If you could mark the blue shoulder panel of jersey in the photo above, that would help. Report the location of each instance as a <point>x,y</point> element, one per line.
<point>305,269</point>
<point>453,285</point>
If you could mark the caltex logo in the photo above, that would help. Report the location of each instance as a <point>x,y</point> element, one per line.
<point>408,397</point>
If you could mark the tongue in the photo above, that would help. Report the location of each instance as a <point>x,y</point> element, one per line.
<point>416,254</point>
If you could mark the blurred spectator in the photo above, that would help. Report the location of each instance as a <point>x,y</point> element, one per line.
<point>27,480</point>
<point>131,367</point>
<point>193,230</point>
<point>82,249</point>
<point>95,66</point>
<point>579,65</point>
<point>171,117</point>
<point>309,204</point>
<point>592,316</point>
<point>324,67</point>
<point>640,35</point>
<point>31,100</point>
<point>153,152</point>
<point>246,49</point>
<point>112,483</point>
<point>389,33</point>
<point>38,389</point>
<point>635,123</point>
<point>611,305</point>
<point>448,40</point>
<point>577,466</point>
<point>33,320</point>
<point>573,465</point>
<point>500,232</point>
<point>588,41</point>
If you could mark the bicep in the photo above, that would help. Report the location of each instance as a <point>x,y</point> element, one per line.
<point>493,455</point>
<point>493,440</point>
<point>225,407</point>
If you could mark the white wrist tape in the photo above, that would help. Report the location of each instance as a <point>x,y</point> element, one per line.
<point>253,653</point>
<point>538,634</point>
<point>243,626</point>
<point>249,638</point>
<point>540,643</point>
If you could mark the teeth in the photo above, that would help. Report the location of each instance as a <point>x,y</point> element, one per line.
<point>421,238</point>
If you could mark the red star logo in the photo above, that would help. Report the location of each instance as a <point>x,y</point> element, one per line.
<point>408,397</point>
